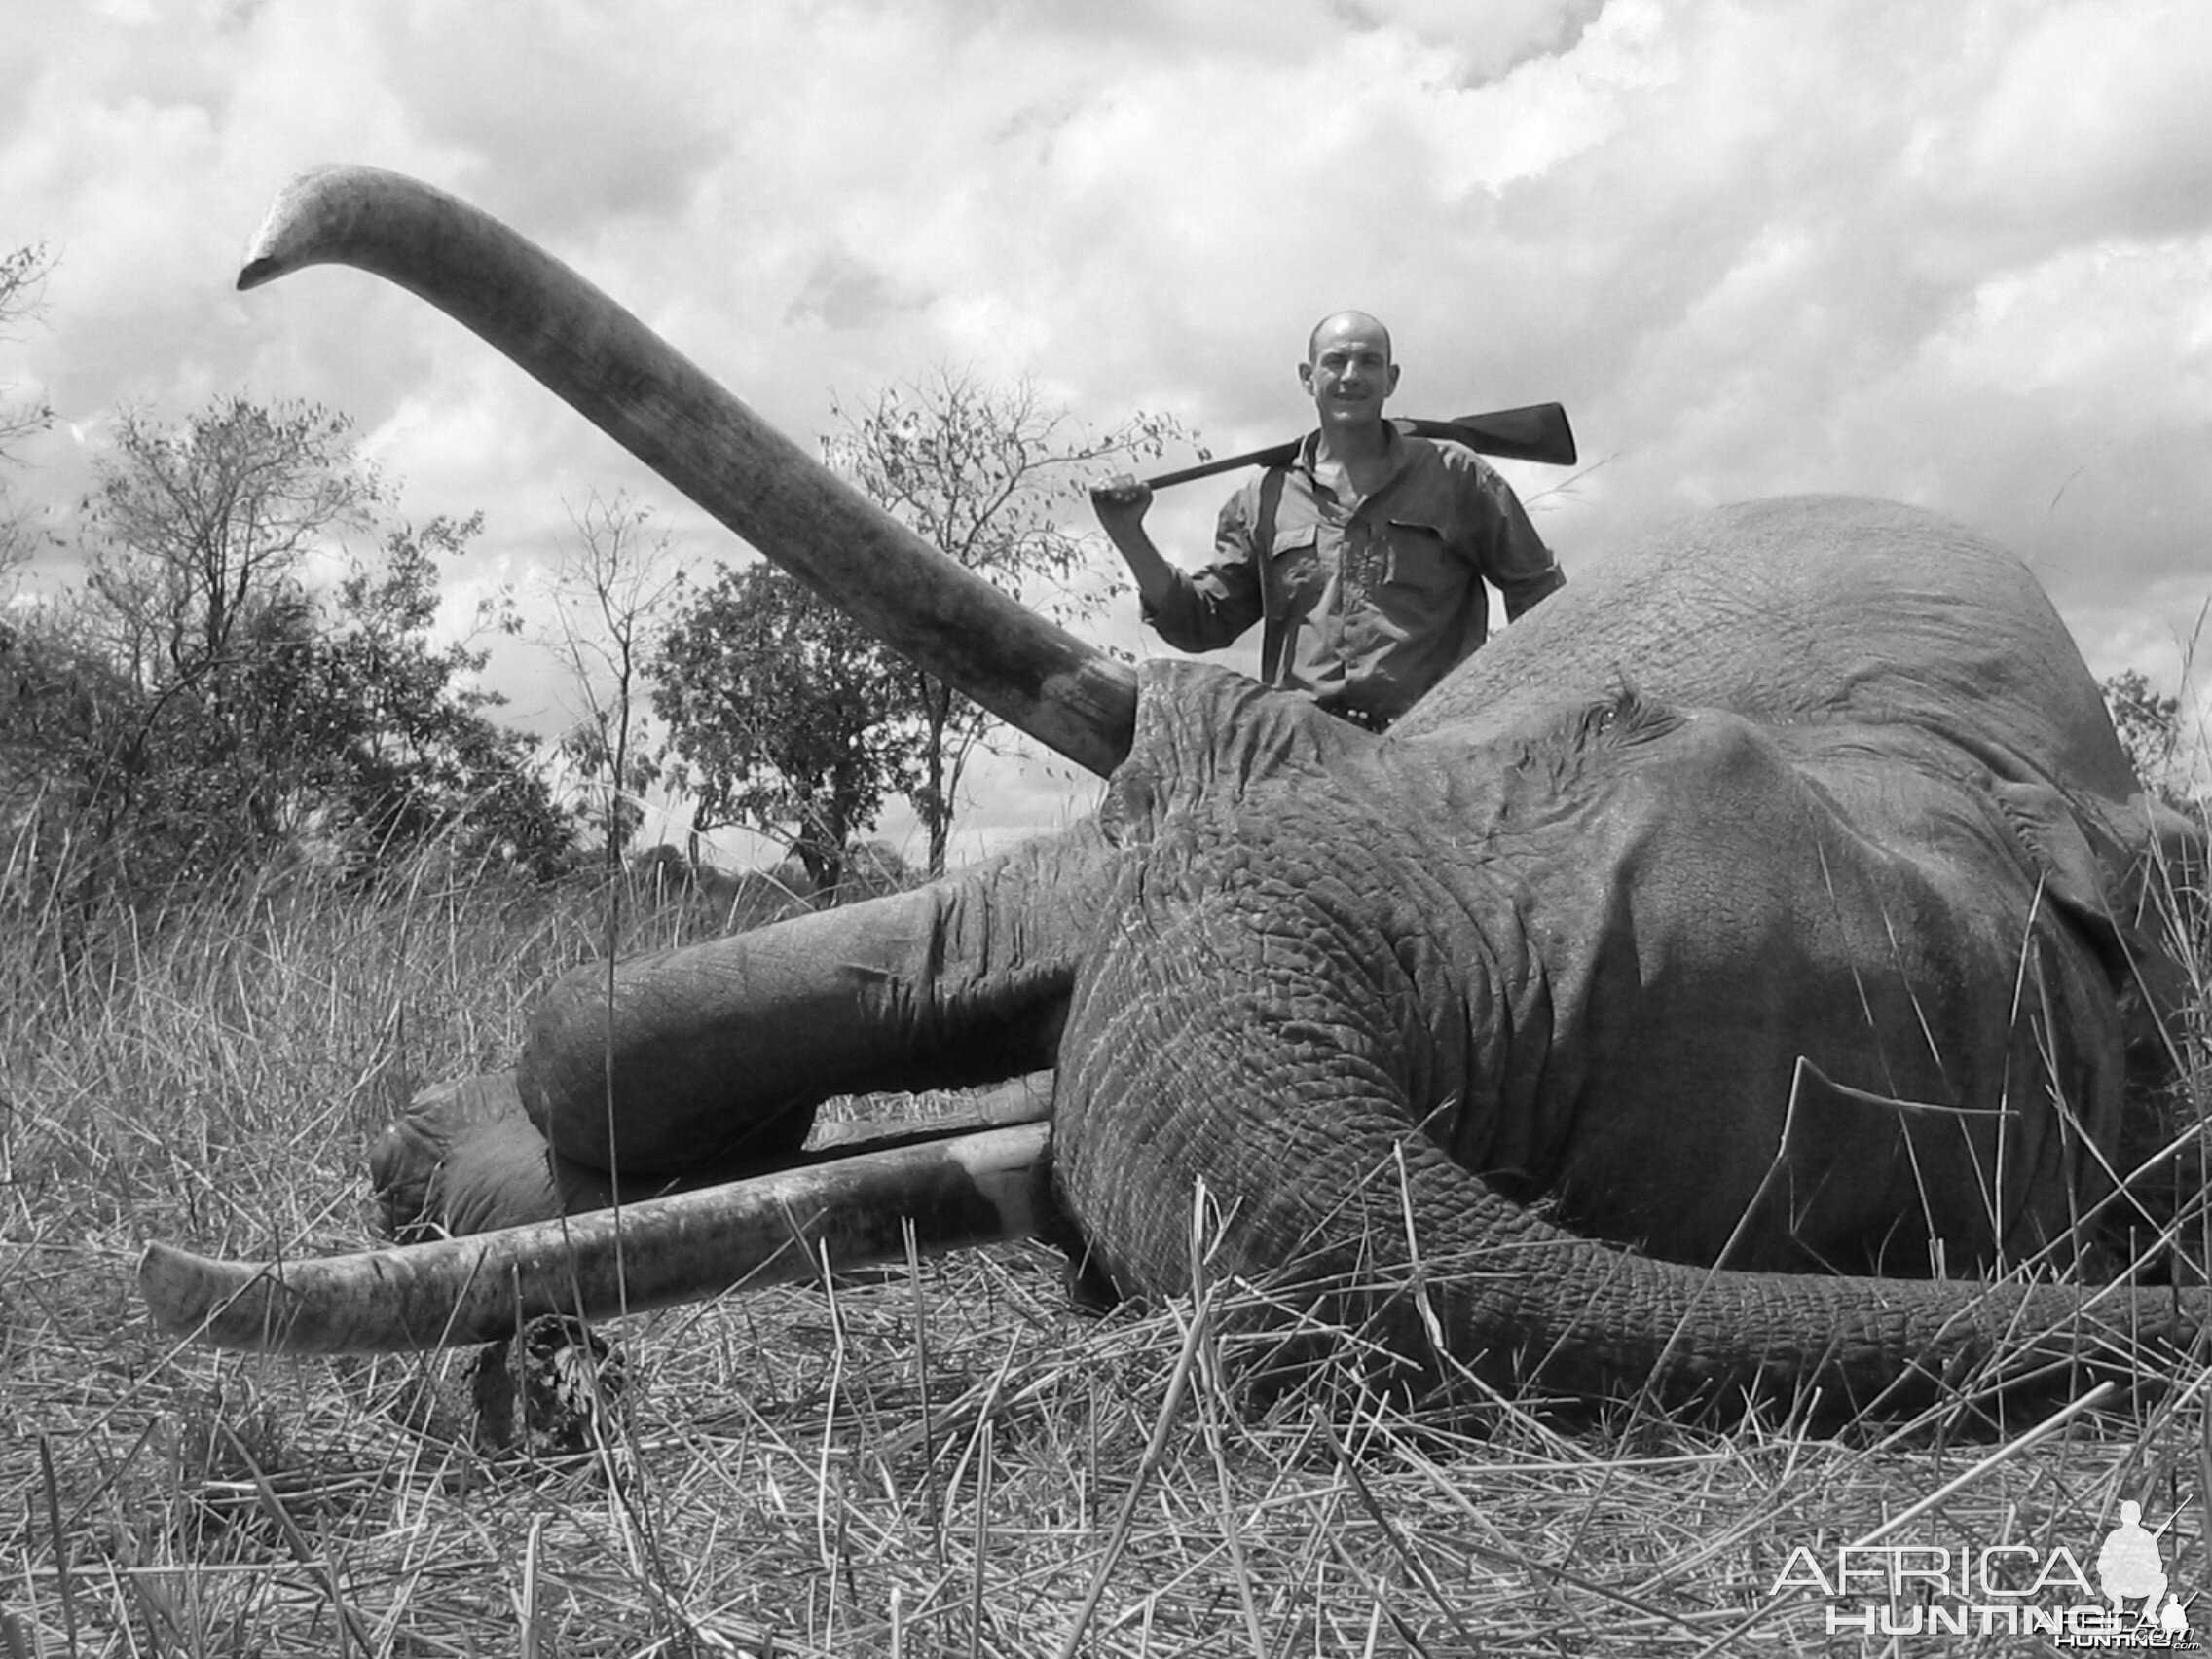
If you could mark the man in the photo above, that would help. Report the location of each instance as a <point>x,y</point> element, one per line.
<point>1364,558</point>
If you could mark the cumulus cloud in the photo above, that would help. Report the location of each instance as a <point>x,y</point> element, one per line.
<point>1754,249</point>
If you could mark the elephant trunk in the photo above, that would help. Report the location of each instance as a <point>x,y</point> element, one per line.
<point>1283,1084</point>
<point>1499,1294</point>
<point>660,407</point>
<point>1605,1321</point>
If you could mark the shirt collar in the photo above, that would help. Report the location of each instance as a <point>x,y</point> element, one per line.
<point>1394,445</point>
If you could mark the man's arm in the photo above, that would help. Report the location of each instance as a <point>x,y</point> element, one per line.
<point>1120,503</point>
<point>1512,555</point>
<point>1200,612</point>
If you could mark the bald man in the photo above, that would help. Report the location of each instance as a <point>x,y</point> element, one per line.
<point>1364,558</point>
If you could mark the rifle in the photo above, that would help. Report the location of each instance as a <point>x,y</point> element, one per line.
<point>1537,432</point>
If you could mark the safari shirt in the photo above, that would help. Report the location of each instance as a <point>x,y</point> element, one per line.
<point>1368,602</point>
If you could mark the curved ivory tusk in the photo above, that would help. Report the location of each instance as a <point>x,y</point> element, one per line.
<point>659,406</point>
<point>977,1189</point>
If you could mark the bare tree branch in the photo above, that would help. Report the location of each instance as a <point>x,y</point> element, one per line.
<point>612,591</point>
<point>992,476</point>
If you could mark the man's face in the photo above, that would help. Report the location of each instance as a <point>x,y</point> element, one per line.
<point>1350,374</point>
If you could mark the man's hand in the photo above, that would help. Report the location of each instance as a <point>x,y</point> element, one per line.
<point>1120,502</point>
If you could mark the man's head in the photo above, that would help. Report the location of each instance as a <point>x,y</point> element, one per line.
<point>1347,371</point>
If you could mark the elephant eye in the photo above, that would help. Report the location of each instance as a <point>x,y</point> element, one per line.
<point>1629,716</point>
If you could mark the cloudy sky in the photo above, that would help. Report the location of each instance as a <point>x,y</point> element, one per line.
<point>1959,254</point>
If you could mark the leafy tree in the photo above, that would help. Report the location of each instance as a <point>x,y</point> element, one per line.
<point>59,699</point>
<point>195,603</point>
<point>989,475</point>
<point>784,716</point>
<point>22,278</point>
<point>208,525</point>
<point>417,753</point>
<point>2148,724</point>
<point>198,702</point>
<point>22,281</point>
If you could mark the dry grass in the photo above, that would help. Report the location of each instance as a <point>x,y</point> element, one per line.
<point>943,1463</point>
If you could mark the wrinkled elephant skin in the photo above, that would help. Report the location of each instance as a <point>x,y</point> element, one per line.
<point>1816,986</point>
<point>1826,967</point>
<point>1768,898</point>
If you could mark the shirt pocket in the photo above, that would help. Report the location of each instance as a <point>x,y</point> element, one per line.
<point>1418,561</point>
<point>1294,568</point>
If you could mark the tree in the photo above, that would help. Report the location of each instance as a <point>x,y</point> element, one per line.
<point>23,282</point>
<point>59,699</point>
<point>22,279</point>
<point>209,522</point>
<point>784,717</point>
<point>199,701</point>
<point>417,753</point>
<point>2149,726</point>
<point>196,600</point>
<point>614,583</point>
<point>988,475</point>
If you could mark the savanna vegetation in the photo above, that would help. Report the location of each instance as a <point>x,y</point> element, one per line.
<point>950,1460</point>
<point>200,1036</point>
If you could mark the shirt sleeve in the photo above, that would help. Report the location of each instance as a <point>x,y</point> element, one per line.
<point>1510,552</point>
<point>1206,609</point>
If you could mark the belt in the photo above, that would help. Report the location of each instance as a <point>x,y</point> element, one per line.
<point>1363,719</point>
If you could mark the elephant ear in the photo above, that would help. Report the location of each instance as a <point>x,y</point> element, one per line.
<point>2151,985</point>
<point>2067,870</point>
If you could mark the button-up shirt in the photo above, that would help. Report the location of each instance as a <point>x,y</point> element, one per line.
<point>1369,601</point>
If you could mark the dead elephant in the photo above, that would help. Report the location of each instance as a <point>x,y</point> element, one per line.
<point>1760,915</point>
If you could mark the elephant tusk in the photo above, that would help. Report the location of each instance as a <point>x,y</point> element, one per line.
<point>984,1188</point>
<point>661,408</point>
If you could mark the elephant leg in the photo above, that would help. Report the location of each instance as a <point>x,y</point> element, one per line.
<point>718,1055</point>
<point>464,1157</point>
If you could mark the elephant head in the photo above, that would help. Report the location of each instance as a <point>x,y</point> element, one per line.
<point>1753,915</point>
